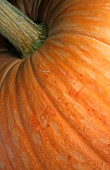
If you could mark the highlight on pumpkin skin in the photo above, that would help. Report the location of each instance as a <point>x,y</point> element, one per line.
<point>24,34</point>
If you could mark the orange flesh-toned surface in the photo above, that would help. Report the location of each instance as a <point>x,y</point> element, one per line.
<point>55,105</point>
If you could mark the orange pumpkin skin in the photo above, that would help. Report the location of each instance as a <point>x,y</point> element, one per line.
<point>55,105</point>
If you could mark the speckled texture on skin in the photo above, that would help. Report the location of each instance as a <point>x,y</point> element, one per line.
<point>54,105</point>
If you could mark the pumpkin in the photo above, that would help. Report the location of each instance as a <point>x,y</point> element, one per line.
<point>55,104</point>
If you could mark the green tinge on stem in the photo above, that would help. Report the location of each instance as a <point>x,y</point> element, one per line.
<point>24,34</point>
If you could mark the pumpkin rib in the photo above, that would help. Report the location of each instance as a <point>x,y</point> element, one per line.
<point>97,153</point>
<point>20,115</point>
<point>3,158</point>
<point>7,72</point>
<point>32,8</point>
<point>6,157</point>
<point>52,12</point>
<point>54,105</point>
<point>78,34</point>
<point>7,132</point>
<point>80,25</point>
<point>9,152</point>
<point>57,110</point>
<point>35,70</point>
<point>44,94</point>
<point>56,32</point>
<point>27,134</point>
<point>43,9</point>
<point>16,124</point>
<point>82,59</point>
<point>72,68</point>
<point>66,81</point>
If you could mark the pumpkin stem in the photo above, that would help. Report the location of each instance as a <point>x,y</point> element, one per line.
<point>24,34</point>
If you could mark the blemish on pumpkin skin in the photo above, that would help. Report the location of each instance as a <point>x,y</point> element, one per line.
<point>47,116</point>
<point>103,164</point>
<point>59,100</point>
<point>84,129</point>
<point>66,104</point>
<point>91,109</point>
<point>71,92</point>
<point>35,123</point>
<point>69,157</point>
<point>78,92</point>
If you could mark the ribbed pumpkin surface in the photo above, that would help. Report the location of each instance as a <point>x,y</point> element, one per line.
<point>55,105</point>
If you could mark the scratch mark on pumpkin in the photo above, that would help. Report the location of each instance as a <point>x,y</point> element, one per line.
<point>103,164</point>
<point>78,92</point>
<point>59,100</point>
